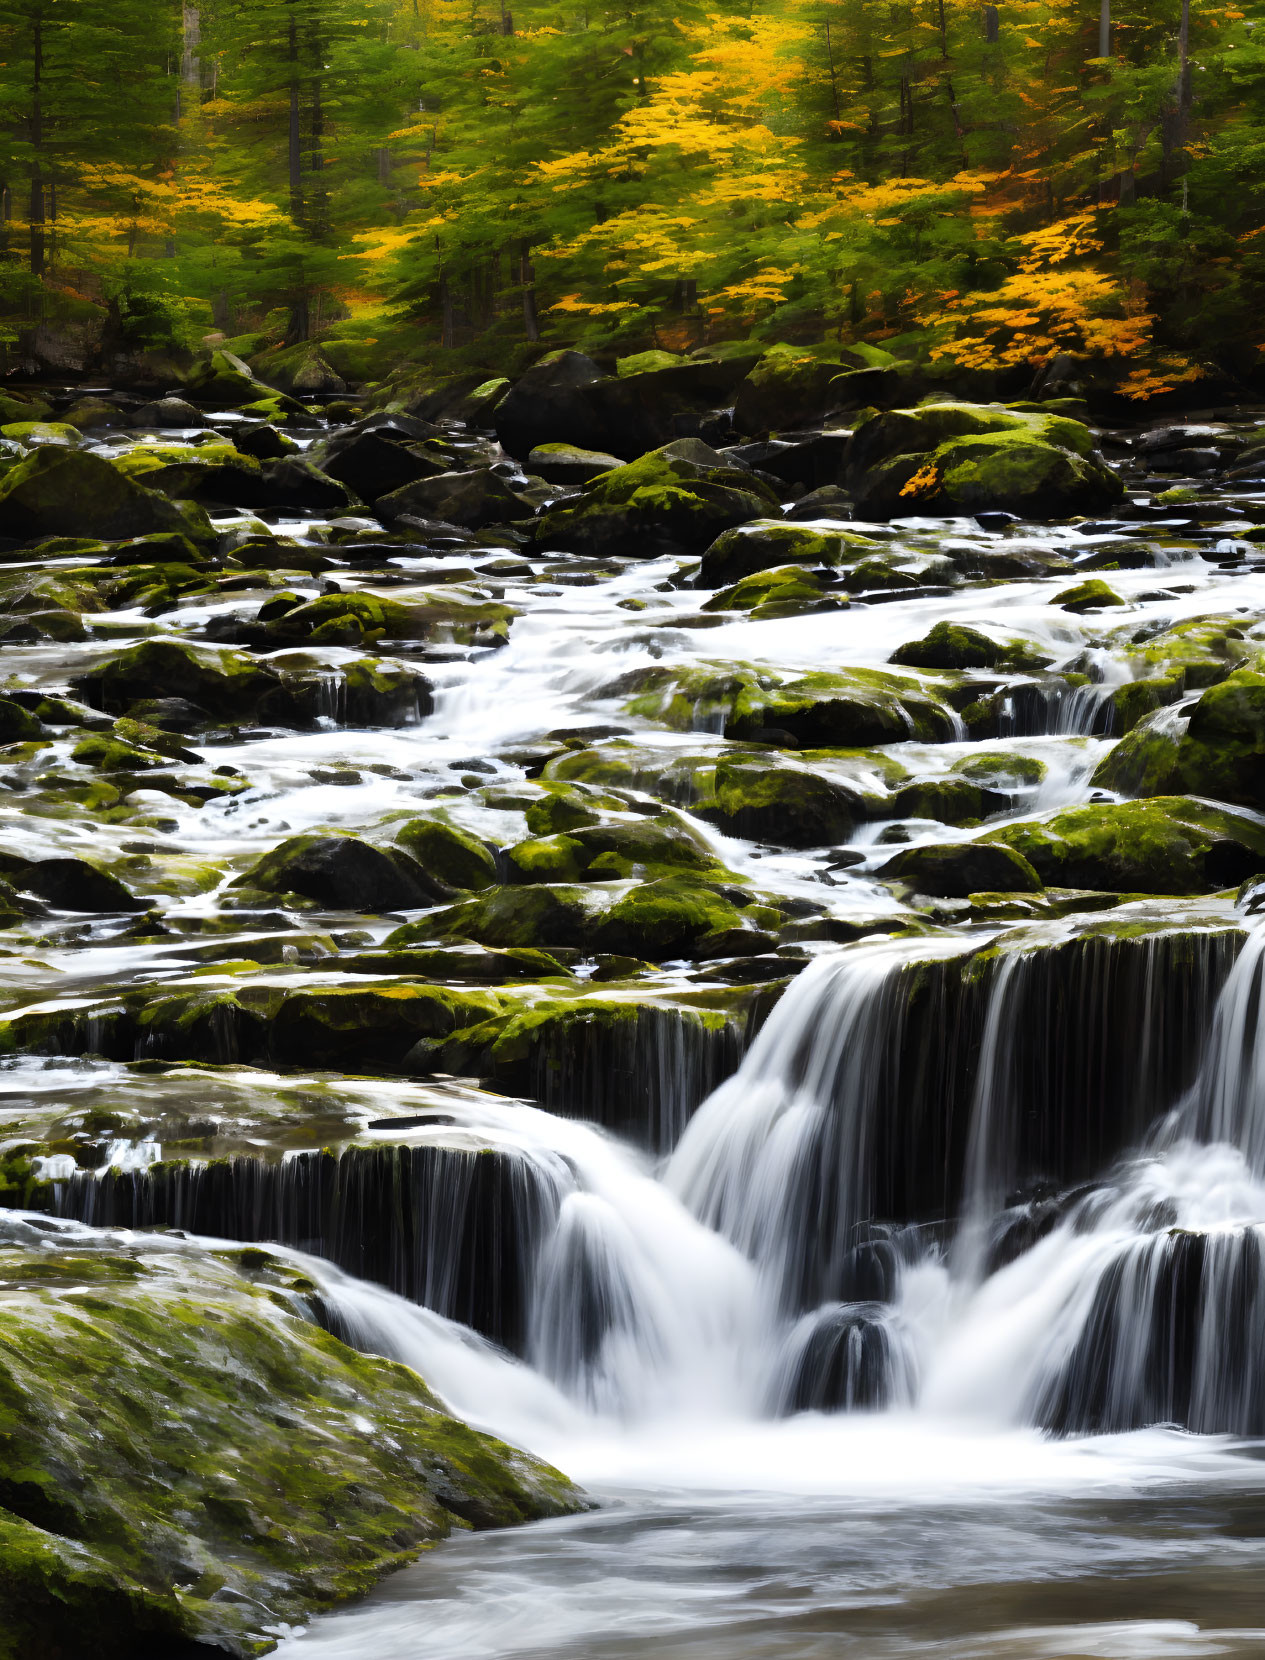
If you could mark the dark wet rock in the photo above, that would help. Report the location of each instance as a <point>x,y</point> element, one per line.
<point>569,464</point>
<point>842,1360</point>
<point>956,869</point>
<point>543,406</point>
<point>78,885</point>
<point>812,463</point>
<point>791,387</point>
<point>263,442</point>
<point>225,381</point>
<point>610,851</point>
<point>372,465</point>
<point>450,857</point>
<point>1166,844</point>
<point>472,499</point>
<point>227,684</point>
<point>58,492</point>
<point>89,412</point>
<point>829,502</point>
<point>540,915</point>
<point>167,413</point>
<point>19,725</point>
<point>674,500</point>
<point>342,873</point>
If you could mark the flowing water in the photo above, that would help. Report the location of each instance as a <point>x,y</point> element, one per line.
<point>1023,1419</point>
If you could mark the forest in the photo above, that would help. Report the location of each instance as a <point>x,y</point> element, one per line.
<point>407,179</point>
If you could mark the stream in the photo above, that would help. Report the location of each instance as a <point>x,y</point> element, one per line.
<point>843,1383</point>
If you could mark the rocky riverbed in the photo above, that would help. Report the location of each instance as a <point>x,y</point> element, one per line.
<point>379,771</point>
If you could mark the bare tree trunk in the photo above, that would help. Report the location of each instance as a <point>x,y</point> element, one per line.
<point>295,135</point>
<point>527,281</point>
<point>992,25</point>
<point>191,40</point>
<point>37,252</point>
<point>834,79</point>
<point>1104,29</point>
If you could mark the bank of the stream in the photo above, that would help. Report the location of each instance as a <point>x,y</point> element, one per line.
<point>716,937</point>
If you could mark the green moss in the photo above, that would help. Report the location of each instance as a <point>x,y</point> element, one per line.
<point>1092,595</point>
<point>510,917</point>
<point>956,646</point>
<point>769,543</point>
<point>788,591</point>
<point>112,755</point>
<point>1223,751</point>
<point>1169,844</point>
<point>129,1387</point>
<point>1001,767</point>
<point>957,870</point>
<point>674,918</point>
<point>449,854</point>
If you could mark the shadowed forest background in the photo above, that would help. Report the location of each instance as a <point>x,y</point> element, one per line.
<point>413,180</point>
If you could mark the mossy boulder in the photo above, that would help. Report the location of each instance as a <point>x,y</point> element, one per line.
<point>1168,844</point>
<point>749,548</point>
<point>367,616</point>
<point>852,710</point>
<point>63,492</point>
<point>227,684</point>
<point>788,591</point>
<point>33,434</point>
<point>569,463</point>
<point>191,1460</point>
<point>675,918</point>
<point>473,499</point>
<point>954,870</point>
<point>613,851</point>
<point>970,458</point>
<point>791,387</point>
<point>450,857</point>
<point>1215,749</point>
<point>342,873</point>
<point>676,499</point>
<point>782,806</point>
<point>958,646</point>
<point>372,1028</point>
<point>539,915</point>
<point>19,725</point>
<point>1092,595</point>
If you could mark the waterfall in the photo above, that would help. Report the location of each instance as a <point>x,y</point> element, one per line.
<point>1227,1102</point>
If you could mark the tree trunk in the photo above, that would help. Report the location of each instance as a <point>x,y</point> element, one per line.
<point>319,210</point>
<point>295,133</point>
<point>37,140</point>
<point>834,79</point>
<point>992,25</point>
<point>191,41</point>
<point>1104,29</point>
<point>527,281</point>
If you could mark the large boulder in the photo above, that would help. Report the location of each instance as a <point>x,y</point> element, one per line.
<point>958,646</point>
<point>546,405</point>
<point>342,873</point>
<point>227,684</point>
<point>1214,748</point>
<point>136,1523</point>
<point>225,381</point>
<point>792,387</point>
<point>783,806</point>
<point>767,543</point>
<point>78,885</point>
<point>61,492</point>
<point>1168,844</point>
<point>953,870</point>
<point>472,499</point>
<point>971,458</point>
<point>677,499</point>
<point>451,857</point>
<point>566,399</point>
<point>372,465</point>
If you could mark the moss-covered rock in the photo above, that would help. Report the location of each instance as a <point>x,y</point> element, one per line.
<point>450,856</point>
<point>371,1029</point>
<point>957,646</point>
<point>676,499</point>
<point>474,499</point>
<point>851,710</point>
<point>788,591</point>
<point>224,683</point>
<point>342,873</point>
<point>63,492</point>
<point>659,921</point>
<point>613,851</point>
<point>750,548</point>
<point>1168,844</point>
<point>953,457</point>
<point>954,870</point>
<point>1091,595</point>
<point>782,806</point>
<point>191,1459</point>
<point>1222,752</point>
<point>569,464</point>
<point>510,917</point>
